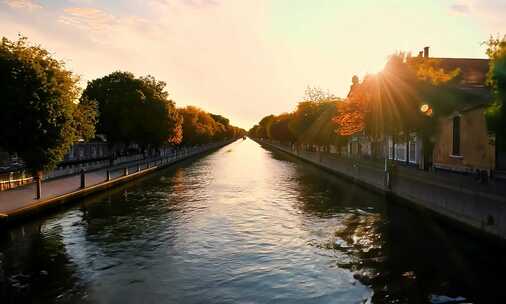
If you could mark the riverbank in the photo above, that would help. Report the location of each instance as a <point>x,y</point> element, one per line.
<point>20,203</point>
<point>479,207</point>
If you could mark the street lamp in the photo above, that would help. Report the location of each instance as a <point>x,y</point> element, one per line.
<point>426,109</point>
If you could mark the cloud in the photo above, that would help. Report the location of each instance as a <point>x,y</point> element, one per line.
<point>23,4</point>
<point>187,3</point>
<point>87,18</point>
<point>459,9</point>
<point>489,14</point>
<point>200,3</point>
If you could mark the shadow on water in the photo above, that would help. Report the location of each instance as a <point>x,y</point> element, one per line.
<point>245,225</point>
<point>405,254</point>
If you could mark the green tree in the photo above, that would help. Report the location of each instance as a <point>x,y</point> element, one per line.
<point>164,123</point>
<point>40,114</point>
<point>311,122</point>
<point>496,79</point>
<point>198,126</point>
<point>280,128</point>
<point>134,110</point>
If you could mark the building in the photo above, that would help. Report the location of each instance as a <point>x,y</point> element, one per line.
<point>463,142</point>
<point>89,151</point>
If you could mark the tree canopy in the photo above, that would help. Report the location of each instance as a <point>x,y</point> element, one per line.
<point>310,123</point>
<point>390,101</point>
<point>134,110</point>
<point>200,127</point>
<point>40,114</point>
<point>496,78</point>
<point>44,113</point>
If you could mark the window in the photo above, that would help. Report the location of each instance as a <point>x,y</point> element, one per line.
<point>390,148</point>
<point>71,153</point>
<point>400,150</point>
<point>412,148</point>
<point>456,136</point>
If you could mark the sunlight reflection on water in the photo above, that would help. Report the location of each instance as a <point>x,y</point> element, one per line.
<point>240,225</point>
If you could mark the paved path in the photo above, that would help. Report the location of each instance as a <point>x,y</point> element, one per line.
<point>25,195</point>
<point>22,199</point>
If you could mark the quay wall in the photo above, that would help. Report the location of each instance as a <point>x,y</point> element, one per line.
<point>37,207</point>
<point>481,207</point>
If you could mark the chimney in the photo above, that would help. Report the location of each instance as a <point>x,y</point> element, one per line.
<point>426,52</point>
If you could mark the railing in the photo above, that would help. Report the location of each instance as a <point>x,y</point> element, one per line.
<point>12,180</point>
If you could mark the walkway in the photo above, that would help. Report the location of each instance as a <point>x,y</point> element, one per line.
<point>24,197</point>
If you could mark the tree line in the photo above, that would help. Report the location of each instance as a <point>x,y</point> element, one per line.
<point>44,111</point>
<point>409,95</point>
<point>310,123</point>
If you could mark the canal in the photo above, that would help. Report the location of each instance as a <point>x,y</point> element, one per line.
<point>245,225</point>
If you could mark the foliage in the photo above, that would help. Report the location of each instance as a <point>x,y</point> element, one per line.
<point>386,103</point>
<point>310,123</point>
<point>162,121</point>
<point>85,119</point>
<point>200,127</point>
<point>134,110</point>
<point>496,79</point>
<point>390,101</point>
<point>280,128</point>
<point>40,114</point>
<point>429,70</point>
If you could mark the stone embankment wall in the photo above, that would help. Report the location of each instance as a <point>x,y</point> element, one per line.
<point>33,207</point>
<point>459,198</point>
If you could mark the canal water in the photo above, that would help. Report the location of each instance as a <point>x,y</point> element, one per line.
<point>245,225</point>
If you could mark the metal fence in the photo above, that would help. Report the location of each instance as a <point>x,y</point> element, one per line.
<point>15,179</point>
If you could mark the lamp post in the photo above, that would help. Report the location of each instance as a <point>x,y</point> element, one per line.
<point>387,172</point>
<point>427,110</point>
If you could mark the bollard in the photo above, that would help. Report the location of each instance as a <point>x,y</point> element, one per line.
<point>39,187</point>
<point>83,179</point>
<point>125,171</point>
<point>108,175</point>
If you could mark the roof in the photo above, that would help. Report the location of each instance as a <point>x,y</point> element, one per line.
<point>474,97</point>
<point>473,72</point>
<point>472,78</point>
<point>470,91</point>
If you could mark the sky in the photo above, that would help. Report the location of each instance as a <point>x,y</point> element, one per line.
<point>246,59</point>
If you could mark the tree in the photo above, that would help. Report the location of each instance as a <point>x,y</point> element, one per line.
<point>254,131</point>
<point>40,114</point>
<point>223,128</point>
<point>311,122</point>
<point>496,79</point>
<point>280,130</point>
<point>198,126</point>
<point>390,101</point>
<point>164,123</point>
<point>134,110</point>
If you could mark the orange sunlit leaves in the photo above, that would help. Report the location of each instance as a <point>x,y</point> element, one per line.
<point>390,100</point>
<point>351,117</point>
